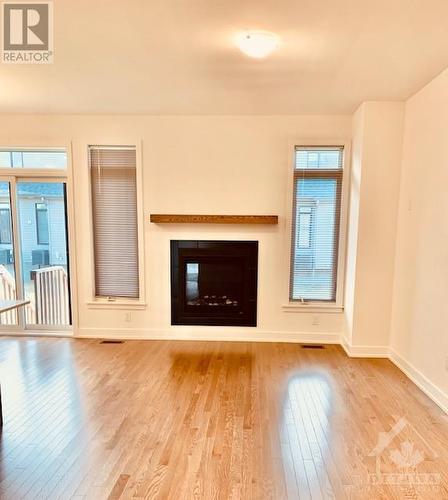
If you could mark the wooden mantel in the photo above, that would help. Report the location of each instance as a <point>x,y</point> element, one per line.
<point>213,219</point>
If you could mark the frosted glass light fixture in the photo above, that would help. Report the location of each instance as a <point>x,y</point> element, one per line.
<point>257,44</point>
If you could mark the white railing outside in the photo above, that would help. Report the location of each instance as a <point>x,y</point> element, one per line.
<point>52,296</point>
<point>8,292</point>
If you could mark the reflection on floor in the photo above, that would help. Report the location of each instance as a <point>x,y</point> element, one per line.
<point>210,420</point>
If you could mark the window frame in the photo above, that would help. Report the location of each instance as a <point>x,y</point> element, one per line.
<point>97,302</point>
<point>37,171</point>
<point>337,305</point>
<point>13,175</point>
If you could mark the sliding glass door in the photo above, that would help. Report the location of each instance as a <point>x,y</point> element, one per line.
<point>34,252</point>
<point>8,288</point>
<point>43,251</point>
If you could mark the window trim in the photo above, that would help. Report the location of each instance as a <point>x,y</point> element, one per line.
<point>56,175</point>
<point>37,171</point>
<point>311,305</point>
<point>96,302</point>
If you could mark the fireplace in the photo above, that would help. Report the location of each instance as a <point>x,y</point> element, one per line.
<point>214,283</point>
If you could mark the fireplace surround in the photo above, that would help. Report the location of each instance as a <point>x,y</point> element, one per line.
<point>214,282</point>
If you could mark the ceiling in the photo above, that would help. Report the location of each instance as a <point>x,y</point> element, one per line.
<point>178,57</point>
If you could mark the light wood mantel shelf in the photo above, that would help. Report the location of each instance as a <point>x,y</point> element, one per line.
<point>213,219</point>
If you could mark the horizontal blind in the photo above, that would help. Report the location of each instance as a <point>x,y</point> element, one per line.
<point>316,222</point>
<point>115,227</point>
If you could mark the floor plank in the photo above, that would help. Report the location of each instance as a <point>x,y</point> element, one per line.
<point>180,420</point>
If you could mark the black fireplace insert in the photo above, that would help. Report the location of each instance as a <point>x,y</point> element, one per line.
<point>214,283</point>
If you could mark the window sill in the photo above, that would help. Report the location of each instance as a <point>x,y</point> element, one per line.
<point>312,308</point>
<point>116,304</point>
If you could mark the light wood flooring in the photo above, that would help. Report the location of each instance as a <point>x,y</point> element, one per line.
<point>213,420</point>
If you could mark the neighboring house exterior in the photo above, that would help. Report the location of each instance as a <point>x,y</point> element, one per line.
<point>315,237</point>
<point>42,226</point>
<point>42,238</point>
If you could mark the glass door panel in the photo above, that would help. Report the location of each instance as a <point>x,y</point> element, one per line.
<point>8,290</point>
<point>43,249</point>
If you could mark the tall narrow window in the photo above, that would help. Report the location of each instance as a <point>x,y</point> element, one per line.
<point>115,226</point>
<point>5,225</point>
<point>42,224</point>
<point>316,220</point>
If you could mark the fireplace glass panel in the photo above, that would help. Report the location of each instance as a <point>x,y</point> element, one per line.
<point>214,284</point>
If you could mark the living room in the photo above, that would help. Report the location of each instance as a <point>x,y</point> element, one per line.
<point>222,252</point>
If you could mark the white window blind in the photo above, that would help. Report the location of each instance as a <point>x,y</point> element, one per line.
<point>318,176</point>
<point>115,227</point>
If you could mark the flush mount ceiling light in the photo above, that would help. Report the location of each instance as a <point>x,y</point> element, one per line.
<point>257,44</point>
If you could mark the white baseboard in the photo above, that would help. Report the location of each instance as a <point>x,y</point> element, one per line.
<point>253,335</point>
<point>421,381</point>
<point>363,351</point>
<point>209,334</point>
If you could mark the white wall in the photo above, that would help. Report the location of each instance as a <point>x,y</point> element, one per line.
<point>420,315</point>
<point>192,164</point>
<point>375,182</point>
<point>241,164</point>
<point>352,229</point>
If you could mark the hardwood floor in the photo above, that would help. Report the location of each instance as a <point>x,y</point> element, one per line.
<point>180,420</point>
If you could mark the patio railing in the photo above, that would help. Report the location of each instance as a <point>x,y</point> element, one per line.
<point>8,292</point>
<point>52,296</point>
<point>50,304</point>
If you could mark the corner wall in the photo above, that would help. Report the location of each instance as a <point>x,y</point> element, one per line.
<point>419,335</point>
<point>374,193</point>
